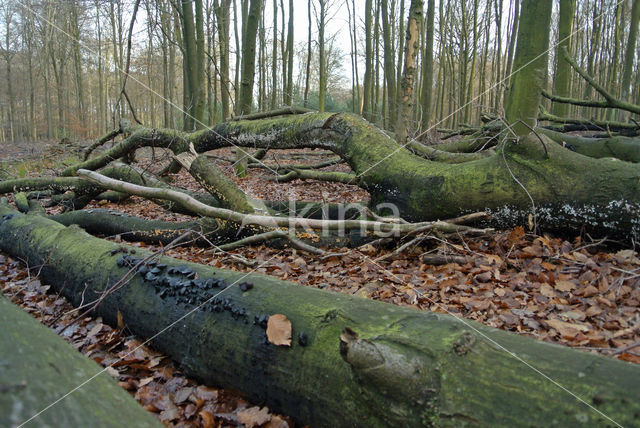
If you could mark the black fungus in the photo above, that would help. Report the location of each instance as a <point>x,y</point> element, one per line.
<point>163,293</point>
<point>238,313</point>
<point>245,286</point>
<point>303,339</point>
<point>261,320</point>
<point>150,277</point>
<point>121,262</point>
<point>142,270</point>
<point>7,217</point>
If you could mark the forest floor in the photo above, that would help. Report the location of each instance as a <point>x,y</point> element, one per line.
<point>575,292</point>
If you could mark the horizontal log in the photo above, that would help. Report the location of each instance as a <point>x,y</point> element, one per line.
<point>352,361</point>
<point>38,368</point>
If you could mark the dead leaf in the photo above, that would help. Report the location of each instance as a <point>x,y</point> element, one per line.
<point>207,418</point>
<point>254,416</point>
<point>277,422</point>
<point>279,330</point>
<point>590,291</point>
<point>564,285</point>
<point>558,325</point>
<point>120,320</point>
<point>95,330</point>
<point>547,290</point>
<point>112,372</point>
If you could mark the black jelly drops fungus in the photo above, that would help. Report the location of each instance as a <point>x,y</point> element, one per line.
<point>261,320</point>
<point>245,286</point>
<point>303,339</point>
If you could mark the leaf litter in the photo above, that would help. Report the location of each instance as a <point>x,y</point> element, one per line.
<point>569,292</point>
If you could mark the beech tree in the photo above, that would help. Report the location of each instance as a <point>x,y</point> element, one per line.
<point>357,362</point>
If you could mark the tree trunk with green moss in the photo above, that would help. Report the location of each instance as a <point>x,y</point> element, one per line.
<point>39,368</point>
<point>352,361</point>
<point>529,66</point>
<point>562,75</point>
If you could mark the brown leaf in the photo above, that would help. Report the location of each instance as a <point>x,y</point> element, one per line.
<point>120,320</point>
<point>277,422</point>
<point>564,285</point>
<point>590,291</point>
<point>593,311</point>
<point>547,291</point>
<point>95,330</point>
<point>254,416</point>
<point>561,325</point>
<point>208,421</point>
<point>279,330</point>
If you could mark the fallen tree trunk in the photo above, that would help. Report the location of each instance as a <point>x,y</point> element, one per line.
<point>39,368</point>
<point>525,173</point>
<point>352,362</point>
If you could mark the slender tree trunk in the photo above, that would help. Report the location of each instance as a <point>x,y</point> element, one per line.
<point>308,71</point>
<point>249,34</point>
<point>427,67</point>
<point>322,59</point>
<point>414,24</point>
<point>236,26</point>
<point>222,11</point>
<point>562,75</point>
<point>530,63</point>
<point>368,61</point>
<point>630,53</point>
<point>77,61</point>
<point>274,58</point>
<point>288,92</point>
<point>512,45</point>
<point>389,64</point>
<point>613,70</point>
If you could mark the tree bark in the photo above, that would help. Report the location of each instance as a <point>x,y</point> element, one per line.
<point>530,66</point>
<point>562,75</point>
<point>412,47</point>
<point>249,57</point>
<point>427,67</point>
<point>39,368</point>
<point>352,361</point>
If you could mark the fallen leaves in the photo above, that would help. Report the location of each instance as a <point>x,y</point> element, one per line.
<point>279,330</point>
<point>254,416</point>
<point>148,375</point>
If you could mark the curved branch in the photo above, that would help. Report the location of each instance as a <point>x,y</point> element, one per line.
<point>309,174</point>
<point>612,102</point>
<point>264,221</point>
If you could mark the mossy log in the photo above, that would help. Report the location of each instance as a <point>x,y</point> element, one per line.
<point>619,147</point>
<point>213,180</point>
<point>352,361</point>
<point>530,169</point>
<point>205,231</point>
<point>38,368</point>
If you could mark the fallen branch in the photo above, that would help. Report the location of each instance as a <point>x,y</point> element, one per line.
<point>104,139</point>
<point>309,174</point>
<point>611,101</point>
<point>273,113</point>
<point>190,203</point>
